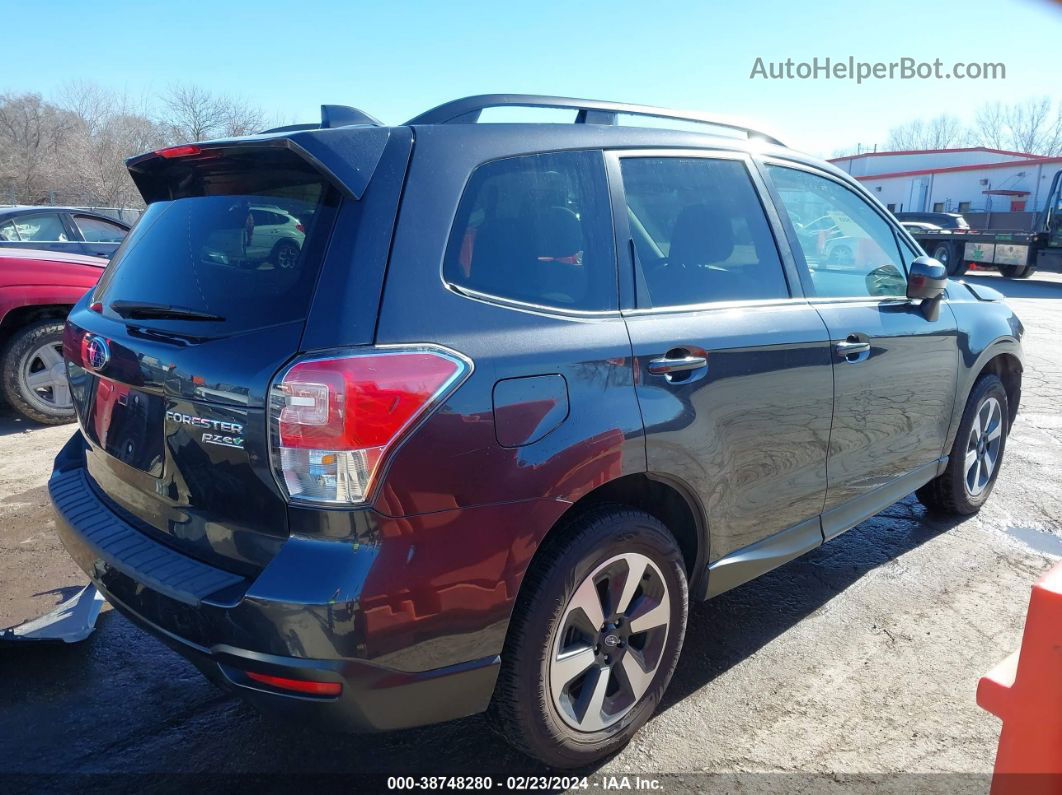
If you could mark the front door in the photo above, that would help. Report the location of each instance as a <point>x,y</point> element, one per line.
<point>732,365</point>
<point>894,370</point>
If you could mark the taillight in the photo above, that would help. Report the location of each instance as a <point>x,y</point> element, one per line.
<point>334,419</point>
<point>186,150</point>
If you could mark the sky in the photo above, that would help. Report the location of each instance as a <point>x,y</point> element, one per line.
<point>395,59</point>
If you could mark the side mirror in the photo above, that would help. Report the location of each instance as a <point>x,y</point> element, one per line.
<point>926,279</point>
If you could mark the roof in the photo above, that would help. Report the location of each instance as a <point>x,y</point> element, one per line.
<point>1039,161</point>
<point>935,152</point>
<point>19,209</point>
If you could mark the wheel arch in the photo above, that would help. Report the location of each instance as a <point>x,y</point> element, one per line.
<point>22,316</point>
<point>663,497</point>
<point>1003,358</point>
<point>1009,369</point>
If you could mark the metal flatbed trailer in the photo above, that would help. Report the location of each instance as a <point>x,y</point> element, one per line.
<point>1016,254</point>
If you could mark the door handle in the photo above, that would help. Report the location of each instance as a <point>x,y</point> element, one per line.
<point>853,349</point>
<point>679,364</point>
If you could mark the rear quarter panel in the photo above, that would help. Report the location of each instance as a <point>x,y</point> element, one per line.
<point>43,283</point>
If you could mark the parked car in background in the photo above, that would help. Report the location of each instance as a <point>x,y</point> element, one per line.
<point>269,235</point>
<point>940,220</point>
<point>63,229</point>
<point>526,392</point>
<point>920,226</point>
<point>37,289</point>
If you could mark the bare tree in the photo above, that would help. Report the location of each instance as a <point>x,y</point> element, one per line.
<point>72,150</point>
<point>1033,126</point>
<point>33,136</point>
<point>941,132</point>
<point>193,113</point>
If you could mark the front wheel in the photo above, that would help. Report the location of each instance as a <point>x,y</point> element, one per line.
<point>949,255</point>
<point>977,454</point>
<point>594,638</point>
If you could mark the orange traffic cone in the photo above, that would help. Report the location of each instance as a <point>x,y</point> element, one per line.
<point>1025,690</point>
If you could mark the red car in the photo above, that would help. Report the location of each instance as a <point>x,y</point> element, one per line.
<point>37,289</point>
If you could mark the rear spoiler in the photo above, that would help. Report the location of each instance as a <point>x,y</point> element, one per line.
<point>346,156</point>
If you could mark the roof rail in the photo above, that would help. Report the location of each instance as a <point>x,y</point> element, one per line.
<point>332,116</point>
<point>590,111</point>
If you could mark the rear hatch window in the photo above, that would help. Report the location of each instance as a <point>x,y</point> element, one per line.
<point>237,247</point>
<point>170,362</point>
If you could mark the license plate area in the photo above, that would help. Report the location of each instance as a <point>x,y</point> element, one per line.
<point>125,422</point>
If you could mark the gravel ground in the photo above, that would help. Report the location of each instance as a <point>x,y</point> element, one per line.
<point>859,659</point>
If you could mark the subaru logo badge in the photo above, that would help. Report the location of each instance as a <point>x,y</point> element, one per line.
<point>97,353</point>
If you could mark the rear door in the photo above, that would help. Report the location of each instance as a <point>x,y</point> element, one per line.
<point>894,371</point>
<point>171,357</point>
<point>100,237</point>
<point>732,365</point>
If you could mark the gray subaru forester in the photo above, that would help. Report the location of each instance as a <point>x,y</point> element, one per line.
<point>518,394</point>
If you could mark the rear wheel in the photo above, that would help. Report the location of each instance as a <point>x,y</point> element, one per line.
<point>594,639</point>
<point>1016,271</point>
<point>285,254</point>
<point>976,455</point>
<point>33,374</point>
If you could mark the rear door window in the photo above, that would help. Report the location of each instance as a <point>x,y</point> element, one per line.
<point>201,251</point>
<point>96,230</point>
<point>537,229</point>
<point>700,232</point>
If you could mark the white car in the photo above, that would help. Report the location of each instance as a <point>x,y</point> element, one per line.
<point>270,235</point>
<point>920,226</point>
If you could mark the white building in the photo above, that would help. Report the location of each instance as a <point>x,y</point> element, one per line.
<point>970,180</point>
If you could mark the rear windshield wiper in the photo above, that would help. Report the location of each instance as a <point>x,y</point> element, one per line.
<point>142,310</point>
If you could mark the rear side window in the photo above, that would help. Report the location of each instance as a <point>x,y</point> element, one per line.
<point>700,232</point>
<point>207,250</point>
<point>536,229</point>
<point>96,230</point>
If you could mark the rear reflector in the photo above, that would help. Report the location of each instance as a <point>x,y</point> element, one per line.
<point>334,419</point>
<point>302,686</point>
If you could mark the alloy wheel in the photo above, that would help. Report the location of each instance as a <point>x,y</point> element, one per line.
<point>610,642</point>
<point>982,447</point>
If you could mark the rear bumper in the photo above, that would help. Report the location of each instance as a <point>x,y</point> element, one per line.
<point>228,625</point>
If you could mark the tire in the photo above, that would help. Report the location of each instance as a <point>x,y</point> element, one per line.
<point>27,354</point>
<point>1014,271</point>
<point>942,253</point>
<point>1027,272</point>
<point>285,254</point>
<point>544,710</point>
<point>953,491</point>
<point>949,255</point>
